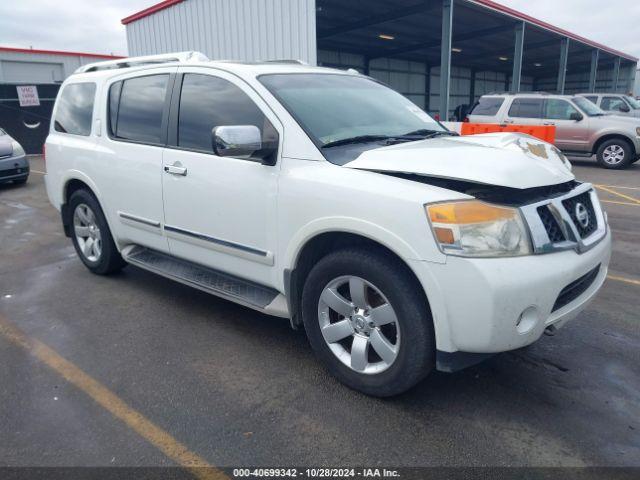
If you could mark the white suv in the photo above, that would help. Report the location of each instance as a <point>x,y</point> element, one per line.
<point>325,197</point>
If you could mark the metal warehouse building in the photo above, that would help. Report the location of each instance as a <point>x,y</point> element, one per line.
<point>440,53</point>
<point>43,71</point>
<point>21,65</point>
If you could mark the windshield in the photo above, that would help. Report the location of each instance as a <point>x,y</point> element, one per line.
<point>635,104</point>
<point>345,115</point>
<point>2,132</point>
<point>588,107</point>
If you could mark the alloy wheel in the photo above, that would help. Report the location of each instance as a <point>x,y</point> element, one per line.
<point>613,154</point>
<point>87,232</point>
<point>359,324</point>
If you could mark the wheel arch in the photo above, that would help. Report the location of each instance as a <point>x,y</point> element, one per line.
<point>323,243</point>
<point>614,136</point>
<point>72,184</point>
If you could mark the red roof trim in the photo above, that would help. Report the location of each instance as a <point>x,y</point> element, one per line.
<point>57,52</point>
<point>148,11</point>
<point>522,16</point>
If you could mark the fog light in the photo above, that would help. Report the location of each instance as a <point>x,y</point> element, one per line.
<point>527,320</point>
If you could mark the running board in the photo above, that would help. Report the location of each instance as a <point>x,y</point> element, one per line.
<point>224,285</point>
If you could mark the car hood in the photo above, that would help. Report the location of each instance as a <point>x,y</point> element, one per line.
<point>512,160</point>
<point>6,145</point>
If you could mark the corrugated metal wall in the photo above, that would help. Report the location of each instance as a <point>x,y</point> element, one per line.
<point>410,79</point>
<point>280,29</point>
<point>18,67</point>
<point>579,82</point>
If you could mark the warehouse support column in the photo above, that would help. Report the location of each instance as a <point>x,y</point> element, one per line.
<point>562,71</point>
<point>594,70</point>
<point>616,74</point>
<point>427,88</point>
<point>517,57</point>
<point>472,88</point>
<point>445,58</point>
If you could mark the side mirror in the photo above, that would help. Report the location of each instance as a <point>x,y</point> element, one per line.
<point>236,141</point>
<point>243,141</point>
<point>625,108</point>
<point>576,116</point>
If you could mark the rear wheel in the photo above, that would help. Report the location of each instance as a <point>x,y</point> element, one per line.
<point>91,236</point>
<point>368,322</point>
<point>615,154</point>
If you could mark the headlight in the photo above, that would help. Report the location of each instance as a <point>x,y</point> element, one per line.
<point>18,151</point>
<point>477,229</point>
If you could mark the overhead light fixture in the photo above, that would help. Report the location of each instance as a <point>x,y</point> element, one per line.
<point>457,50</point>
<point>537,64</point>
<point>384,36</point>
<point>504,59</point>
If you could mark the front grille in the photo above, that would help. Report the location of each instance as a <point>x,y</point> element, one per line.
<point>575,289</point>
<point>592,221</point>
<point>551,225</point>
<point>12,171</point>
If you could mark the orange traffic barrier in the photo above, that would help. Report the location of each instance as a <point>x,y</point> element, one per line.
<point>543,132</point>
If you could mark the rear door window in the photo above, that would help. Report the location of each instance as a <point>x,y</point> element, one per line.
<point>488,106</point>
<point>140,104</point>
<point>74,110</point>
<point>526,108</point>
<point>592,98</point>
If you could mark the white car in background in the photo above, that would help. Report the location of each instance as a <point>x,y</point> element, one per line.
<point>14,166</point>
<point>324,197</point>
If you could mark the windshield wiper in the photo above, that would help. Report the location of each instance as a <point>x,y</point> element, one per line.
<point>425,133</point>
<point>358,139</point>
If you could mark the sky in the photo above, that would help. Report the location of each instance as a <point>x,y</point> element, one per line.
<point>94,25</point>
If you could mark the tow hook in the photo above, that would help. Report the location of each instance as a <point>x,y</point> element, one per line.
<point>550,331</point>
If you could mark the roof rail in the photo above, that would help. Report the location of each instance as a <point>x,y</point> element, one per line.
<point>145,60</point>
<point>287,61</point>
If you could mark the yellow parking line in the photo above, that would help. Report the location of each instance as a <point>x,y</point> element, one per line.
<point>621,195</point>
<point>621,203</point>
<point>619,186</point>
<point>38,171</point>
<point>625,280</point>
<point>108,400</point>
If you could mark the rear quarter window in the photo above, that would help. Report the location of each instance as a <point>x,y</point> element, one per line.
<point>487,106</point>
<point>74,110</point>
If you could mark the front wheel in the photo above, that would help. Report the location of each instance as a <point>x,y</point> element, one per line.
<point>615,154</point>
<point>368,321</point>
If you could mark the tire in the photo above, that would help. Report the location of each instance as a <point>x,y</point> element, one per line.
<point>21,181</point>
<point>615,154</point>
<point>388,284</point>
<point>91,236</point>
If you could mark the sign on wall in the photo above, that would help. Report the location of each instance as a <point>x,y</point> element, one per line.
<point>28,96</point>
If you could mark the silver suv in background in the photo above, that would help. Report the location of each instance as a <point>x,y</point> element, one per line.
<point>582,129</point>
<point>616,104</point>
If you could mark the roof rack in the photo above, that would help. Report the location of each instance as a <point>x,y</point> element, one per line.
<point>287,61</point>
<point>145,60</point>
<point>518,93</point>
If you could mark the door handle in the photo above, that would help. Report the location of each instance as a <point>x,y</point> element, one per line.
<point>175,170</point>
<point>548,123</point>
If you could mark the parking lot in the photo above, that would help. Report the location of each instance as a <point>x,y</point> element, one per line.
<point>136,370</point>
